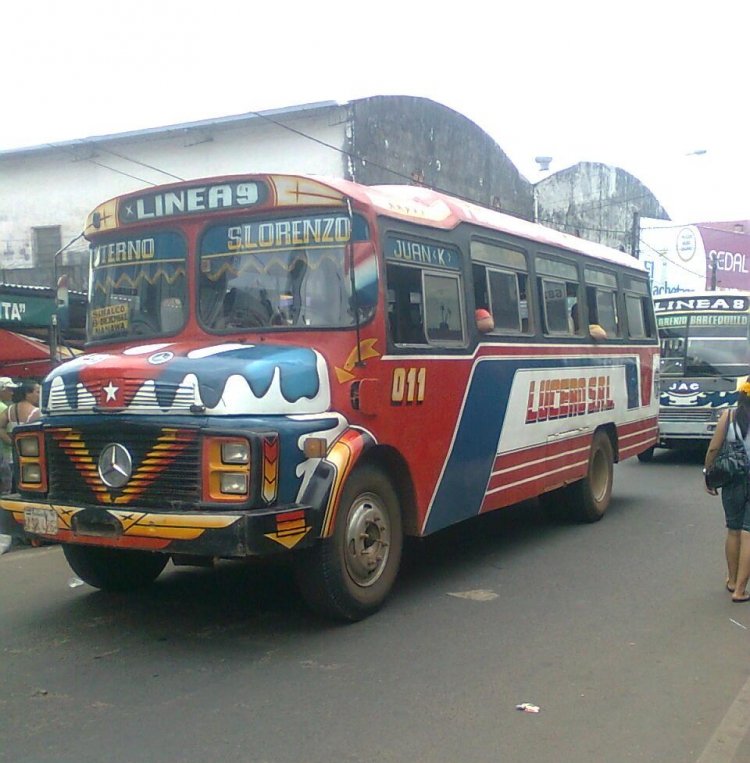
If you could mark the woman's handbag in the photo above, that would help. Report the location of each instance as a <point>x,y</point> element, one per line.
<point>731,462</point>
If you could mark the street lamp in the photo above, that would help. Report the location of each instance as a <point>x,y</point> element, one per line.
<point>543,162</point>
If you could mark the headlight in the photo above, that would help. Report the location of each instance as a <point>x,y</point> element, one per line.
<point>28,446</point>
<point>31,474</point>
<point>235,452</point>
<point>233,483</point>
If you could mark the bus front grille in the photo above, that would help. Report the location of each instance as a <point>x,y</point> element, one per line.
<point>163,465</point>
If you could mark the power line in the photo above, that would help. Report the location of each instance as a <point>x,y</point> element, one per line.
<point>573,226</point>
<point>101,164</point>
<point>143,164</point>
<point>669,261</point>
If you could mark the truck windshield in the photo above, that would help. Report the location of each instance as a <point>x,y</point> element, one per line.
<point>278,274</point>
<point>137,287</point>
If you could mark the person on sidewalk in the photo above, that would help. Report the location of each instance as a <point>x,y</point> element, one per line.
<point>7,387</point>
<point>735,497</point>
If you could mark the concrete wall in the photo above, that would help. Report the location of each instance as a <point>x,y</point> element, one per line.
<point>596,202</point>
<point>400,139</point>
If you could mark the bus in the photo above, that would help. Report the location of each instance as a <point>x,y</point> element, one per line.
<point>289,365</point>
<point>704,360</point>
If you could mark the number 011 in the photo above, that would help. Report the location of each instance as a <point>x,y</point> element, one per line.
<point>408,385</point>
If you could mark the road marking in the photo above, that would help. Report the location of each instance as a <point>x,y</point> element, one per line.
<point>723,745</point>
<point>479,594</point>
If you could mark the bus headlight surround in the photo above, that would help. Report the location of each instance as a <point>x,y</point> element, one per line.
<point>227,468</point>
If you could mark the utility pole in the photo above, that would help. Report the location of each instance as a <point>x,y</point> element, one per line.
<point>713,265</point>
<point>636,235</point>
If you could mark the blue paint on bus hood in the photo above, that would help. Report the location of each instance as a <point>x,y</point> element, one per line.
<point>224,379</point>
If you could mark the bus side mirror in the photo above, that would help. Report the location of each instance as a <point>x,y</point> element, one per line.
<point>364,396</point>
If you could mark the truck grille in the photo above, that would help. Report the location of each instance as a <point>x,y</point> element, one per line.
<point>165,465</point>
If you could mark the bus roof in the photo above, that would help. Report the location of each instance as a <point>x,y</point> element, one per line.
<point>404,202</point>
<point>418,204</point>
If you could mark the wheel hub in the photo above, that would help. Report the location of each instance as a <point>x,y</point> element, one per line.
<point>368,537</point>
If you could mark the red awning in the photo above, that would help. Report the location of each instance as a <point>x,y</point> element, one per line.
<point>25,356</point>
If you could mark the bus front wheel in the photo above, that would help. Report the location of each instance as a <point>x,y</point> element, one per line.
<point>349,575</point>
<point>589,498</point>
<point>113,569</point>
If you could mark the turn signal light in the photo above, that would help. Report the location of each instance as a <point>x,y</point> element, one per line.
<point>315,447</point>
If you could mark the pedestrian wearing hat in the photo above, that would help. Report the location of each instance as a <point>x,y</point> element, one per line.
<point>7,387</point>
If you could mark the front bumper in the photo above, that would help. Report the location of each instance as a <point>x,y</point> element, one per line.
<point>686,430</point>
<point>226,534</point>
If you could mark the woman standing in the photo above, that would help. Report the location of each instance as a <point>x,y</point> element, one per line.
<point>735,497</point>
<point>23,410</point>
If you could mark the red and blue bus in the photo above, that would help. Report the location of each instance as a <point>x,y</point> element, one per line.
<point>287,365</point>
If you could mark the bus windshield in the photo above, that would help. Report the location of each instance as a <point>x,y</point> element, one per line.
<point>277,274</point>
<point>704,345</point>
<point>137,287</point>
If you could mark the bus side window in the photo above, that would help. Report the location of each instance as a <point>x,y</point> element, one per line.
<point>559,292</point>
<point>500,276</point>
<point>405,305</point>
<point>603,309</point>
<point>523,303</point>
<point>443,308</point>
<point>479,277</point>
<point>557,299</point>
<point>505,303</point>
<point>639,307</point>
<point>634,309</point>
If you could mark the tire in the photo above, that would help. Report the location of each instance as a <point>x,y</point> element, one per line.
<point>588,499</point>
<point>349,575</point>
<point>113,569</point>
<point>647,456</point>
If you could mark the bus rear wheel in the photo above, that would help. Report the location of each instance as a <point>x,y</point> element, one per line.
<point>112,569</point>
<point>349,575</point>
<point>589,498</point>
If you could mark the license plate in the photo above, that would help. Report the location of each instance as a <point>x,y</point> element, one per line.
<point>40,521</point>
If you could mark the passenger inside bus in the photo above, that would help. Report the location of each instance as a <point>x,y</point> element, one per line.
<point>595,330</point>
<point>484,320</point>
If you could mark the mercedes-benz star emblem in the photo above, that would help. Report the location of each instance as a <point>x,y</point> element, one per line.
<point>115,465</point>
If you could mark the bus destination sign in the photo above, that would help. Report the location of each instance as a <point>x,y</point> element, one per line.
<point>199,199</point>
<point>420,253</point>
<point>727,303</point>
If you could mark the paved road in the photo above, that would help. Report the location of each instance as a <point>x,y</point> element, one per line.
<point>620,631</point>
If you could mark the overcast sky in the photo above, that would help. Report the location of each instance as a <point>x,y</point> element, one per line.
<point>641,85</point>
